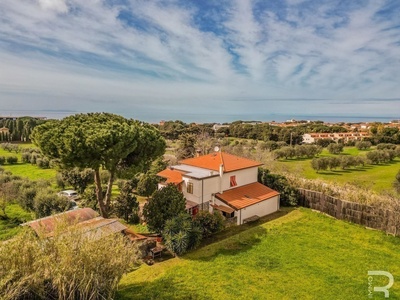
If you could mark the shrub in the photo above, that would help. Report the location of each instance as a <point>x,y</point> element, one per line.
<point>209,223</point>
<point>12,160</point>
<point>26,197</point>
<point>70,265</point>
<point>126,205</point>
<point>43,163</point>
<point>89,197</point>
<point>335,148</point>
<point>289,194</point>
<point>181,234</point>
<point>165,204</point>
<point>2,160</point>
<point>385,146</point>
<point>363,145</point>
<point>60,181</point>
<point>26,157</point>
<point>147,185</point>
<point>47,202</point>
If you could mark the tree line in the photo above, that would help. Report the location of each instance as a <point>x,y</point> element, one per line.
<point>19,129</point>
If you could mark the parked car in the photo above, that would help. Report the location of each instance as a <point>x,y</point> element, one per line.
<point>71,194</point>
<point>73,205</point>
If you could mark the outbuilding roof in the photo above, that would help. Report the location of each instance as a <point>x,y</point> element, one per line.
<point>246,195</point>
<point>86,220</point>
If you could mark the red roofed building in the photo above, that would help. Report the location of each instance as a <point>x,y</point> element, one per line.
<point>223,182</point>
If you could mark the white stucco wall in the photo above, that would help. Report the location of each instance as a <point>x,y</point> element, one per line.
<point>260,209</point>
<point>243,177</point>
<point>210,186</point>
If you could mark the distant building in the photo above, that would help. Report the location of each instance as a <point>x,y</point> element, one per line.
<point>218,126</point>
<point>311,138</point>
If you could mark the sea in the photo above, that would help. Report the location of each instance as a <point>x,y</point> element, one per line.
<point>210,118</point>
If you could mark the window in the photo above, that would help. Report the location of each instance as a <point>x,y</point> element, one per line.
<point>233,181</point>
<point>189,188</point>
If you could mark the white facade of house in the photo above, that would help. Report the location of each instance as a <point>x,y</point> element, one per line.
<point>261,209</point>
<point>200,185</point>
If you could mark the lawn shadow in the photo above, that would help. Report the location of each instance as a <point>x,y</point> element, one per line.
<point>162,288</point>
<point>330,173</point>
<point>238,241</point>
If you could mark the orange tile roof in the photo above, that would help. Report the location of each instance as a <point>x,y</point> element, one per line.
<point>246,195</point>
<point>172,176</point>
<point>223,208</point>
<point>214,160</point>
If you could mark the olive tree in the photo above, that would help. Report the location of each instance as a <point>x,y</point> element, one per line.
<point>100,141</point>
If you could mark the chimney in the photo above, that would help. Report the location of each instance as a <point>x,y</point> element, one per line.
<point>221,173</point>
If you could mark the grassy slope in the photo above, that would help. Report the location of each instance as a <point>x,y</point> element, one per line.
<point>10,227</point>
<point>302,255</point>
<point>376,177</point>
<point>27,170</point>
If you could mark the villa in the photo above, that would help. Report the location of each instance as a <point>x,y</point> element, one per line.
<point>223,182</point>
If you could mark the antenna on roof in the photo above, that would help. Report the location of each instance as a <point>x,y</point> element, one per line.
<point>216,148</point>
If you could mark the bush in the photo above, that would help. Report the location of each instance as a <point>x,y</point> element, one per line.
<point>26,157</point>
<point>165,204</point>
<point>289,194</point>
<point>47,202</point>
<point>209,223</point>
<point>363,145</point>
<point>181,234</point>
<point>126,205</point>
<point>383,146</point>
<point>43,163</point>
<point>147,185</point>
<point>70,265</point>
<point>26,197</point>
<point>2,160</point>
<point>335,148</point>
<point>89,197</point>
<point>12,160</point>
<point>60,181</point>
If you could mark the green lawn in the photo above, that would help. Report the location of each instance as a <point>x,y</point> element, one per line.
<point>301,255</point>
<point>10,227</point>
<point>27,170</point>
<point>376,177</point>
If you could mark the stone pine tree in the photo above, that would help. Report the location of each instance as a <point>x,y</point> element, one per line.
<point>165,204</point>
<point>100,141</point>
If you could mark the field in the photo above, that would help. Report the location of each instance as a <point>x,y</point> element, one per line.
<point>27,170</point>
<point>10,227</point>
<point>300,255</point>
<point>375,177</point>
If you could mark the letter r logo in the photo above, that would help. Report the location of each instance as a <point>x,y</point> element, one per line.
<point>385,288</point>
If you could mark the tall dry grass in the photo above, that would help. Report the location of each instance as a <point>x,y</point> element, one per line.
<point>70,265</point>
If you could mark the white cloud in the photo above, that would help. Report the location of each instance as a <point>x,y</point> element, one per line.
<point>55,5</point>
<point>159,52</point>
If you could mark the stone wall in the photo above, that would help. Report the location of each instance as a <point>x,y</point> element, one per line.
<point>369,216</point>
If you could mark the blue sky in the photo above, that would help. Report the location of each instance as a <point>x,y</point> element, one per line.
<point>201,60</point>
